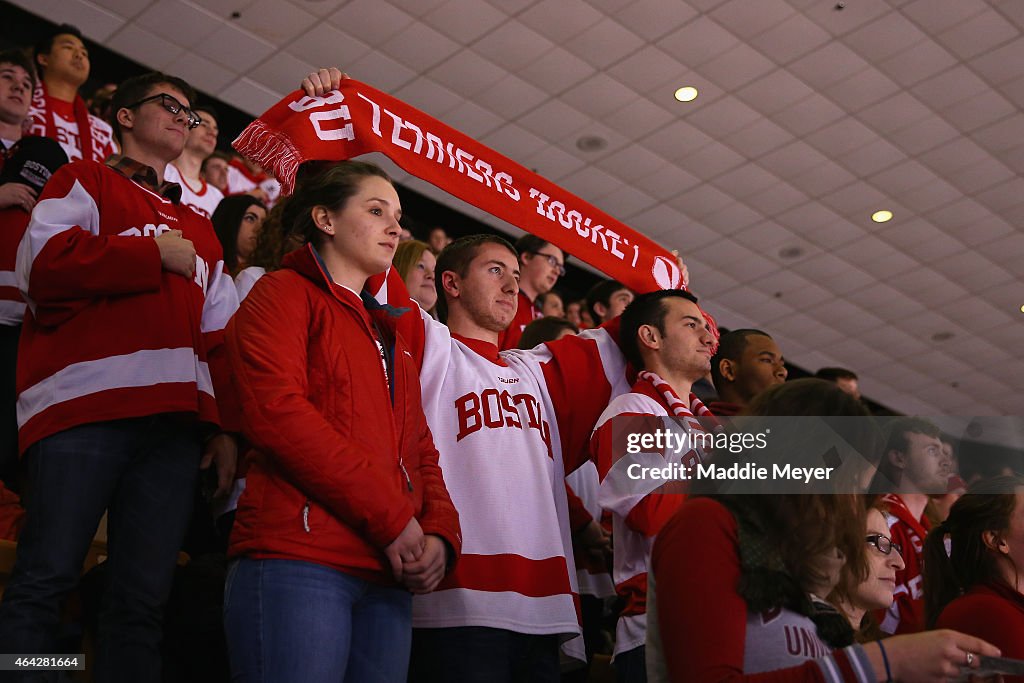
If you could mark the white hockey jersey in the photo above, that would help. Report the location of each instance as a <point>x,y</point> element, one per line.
<point>501,425</point>
<point>203,200</point>
<point>585,483</point>
<point>637,511</point>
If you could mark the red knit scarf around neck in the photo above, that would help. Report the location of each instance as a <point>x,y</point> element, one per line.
<point>81,119</point>
<point>679,408</point>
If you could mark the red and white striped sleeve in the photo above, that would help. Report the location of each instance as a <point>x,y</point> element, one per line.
<point>64,260</point>
<point>220,304</point>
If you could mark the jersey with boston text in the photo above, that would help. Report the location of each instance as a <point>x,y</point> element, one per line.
<point>502,425</point>
<point>109,333</point>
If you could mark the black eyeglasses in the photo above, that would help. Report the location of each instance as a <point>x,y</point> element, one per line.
<point>553,261</point>
<point>173,106</point>
<point>884,544</point>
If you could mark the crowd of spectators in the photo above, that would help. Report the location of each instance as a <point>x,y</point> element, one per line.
<point>391,458</point>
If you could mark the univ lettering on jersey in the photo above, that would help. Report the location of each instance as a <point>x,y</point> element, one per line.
<point>496,409</point>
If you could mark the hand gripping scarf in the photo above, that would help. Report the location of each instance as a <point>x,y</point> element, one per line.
<point>358,119</point>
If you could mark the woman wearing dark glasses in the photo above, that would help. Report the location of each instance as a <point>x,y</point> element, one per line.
<point>857,599</point>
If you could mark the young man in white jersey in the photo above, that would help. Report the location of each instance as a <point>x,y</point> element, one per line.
<point>666,336</point>
<point>502,424</point>
<point>186,170</point>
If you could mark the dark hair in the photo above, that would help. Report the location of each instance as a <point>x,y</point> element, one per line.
<point>139,87</point>
<point>456,258</point>
<point>215,154</point>
<point>645,309</point>
<point>730,347</point>
<point>227,220</point>
<point>545,329</point>
<point>19,58</point>
<point>207,109</point>
<point>602,293</point>
<point>271,242</point>
<point>45,44</point>
<point>543,297</point>
<point>835,374</point>
<point>531,244</point>
<point>888,477</point>
<point>327,184</point>
<point>806,396</point>
<point>987,506</point>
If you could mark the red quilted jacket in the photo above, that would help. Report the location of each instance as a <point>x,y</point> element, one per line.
<point>342,460</point>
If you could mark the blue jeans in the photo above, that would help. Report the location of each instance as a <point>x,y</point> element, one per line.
<point>478,654</point>
<point>288,620</point>
<point>144,470</point>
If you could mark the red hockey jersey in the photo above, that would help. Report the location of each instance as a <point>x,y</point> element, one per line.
<point>108,333</point>
<point>526,313</point>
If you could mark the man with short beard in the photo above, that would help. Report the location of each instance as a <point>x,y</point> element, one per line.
<point>667,338</point>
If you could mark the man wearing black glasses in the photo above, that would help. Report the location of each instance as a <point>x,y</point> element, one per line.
<point>120,381</point>
<point>540,266</point>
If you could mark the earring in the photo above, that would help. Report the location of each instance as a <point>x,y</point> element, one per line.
<point>326,228</point>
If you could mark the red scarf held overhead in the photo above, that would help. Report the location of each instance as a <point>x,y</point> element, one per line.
<point>358,119</point>
<point>40,99</point>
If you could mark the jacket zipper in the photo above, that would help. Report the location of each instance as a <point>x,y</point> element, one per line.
<point>401,466</point>
<point>377,338</point>
<point>305,516</point>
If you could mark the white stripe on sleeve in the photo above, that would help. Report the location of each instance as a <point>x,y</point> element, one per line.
<point>145,368</point>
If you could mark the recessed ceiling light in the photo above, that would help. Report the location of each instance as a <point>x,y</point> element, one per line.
<point>881,216</point>
<point>687,93</point>
<point>591,143</point>
<point>1022,309</point>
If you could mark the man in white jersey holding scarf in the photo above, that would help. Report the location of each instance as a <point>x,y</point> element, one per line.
<point>502,424</point>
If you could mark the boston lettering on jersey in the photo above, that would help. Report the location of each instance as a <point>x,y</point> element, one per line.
<point>202,275</point>
<point>496,409</point>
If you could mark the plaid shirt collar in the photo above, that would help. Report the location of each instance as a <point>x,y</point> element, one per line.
<point>144,175</point>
